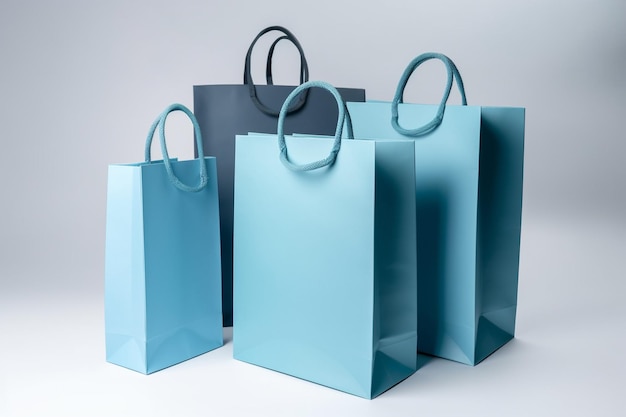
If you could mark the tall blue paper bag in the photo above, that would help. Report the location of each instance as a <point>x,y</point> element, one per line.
<point>469,169</point>
<point>162,267</point>
<point>324,257</point>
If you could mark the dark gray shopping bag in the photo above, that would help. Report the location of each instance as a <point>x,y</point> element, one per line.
<point>224,111</point>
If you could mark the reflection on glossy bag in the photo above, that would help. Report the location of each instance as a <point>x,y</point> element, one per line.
<point>469,166</point>
<point>162,268</point>
<point>324,257</point>
<point>224,111</point>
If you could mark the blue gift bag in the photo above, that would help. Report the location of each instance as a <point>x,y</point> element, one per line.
<point>469,166</point>
<point>324,257</point>
<point>162,267</point>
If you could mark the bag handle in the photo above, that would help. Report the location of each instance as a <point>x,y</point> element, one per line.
<point>343,118</point>
<point>247,75</point>
<point>453,73</point>
<point>160,122</point>
<point>270,57</point>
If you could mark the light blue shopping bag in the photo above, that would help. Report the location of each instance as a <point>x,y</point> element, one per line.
<point>324,257</point>
<point>469,166</point>
<point>162,267</point>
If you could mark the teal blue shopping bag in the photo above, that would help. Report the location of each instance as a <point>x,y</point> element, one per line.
<point>162,266</point>
<point>324,257</point>
<point>469,171</point>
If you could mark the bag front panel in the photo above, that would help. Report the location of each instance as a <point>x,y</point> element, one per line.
<point>304,261</point>
<point>183,274</point>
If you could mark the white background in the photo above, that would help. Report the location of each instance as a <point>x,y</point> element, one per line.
<point>81,81</point>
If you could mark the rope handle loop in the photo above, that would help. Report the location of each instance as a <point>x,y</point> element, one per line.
<point>343,119</point>
<point>453,73</point>
<point>160,123</point>
<point>247,74</point>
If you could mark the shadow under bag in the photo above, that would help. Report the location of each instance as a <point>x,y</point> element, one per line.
<point>469,171</point>
<point>162,267</point>
<point>325,285</point>
<point>224,111</point>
